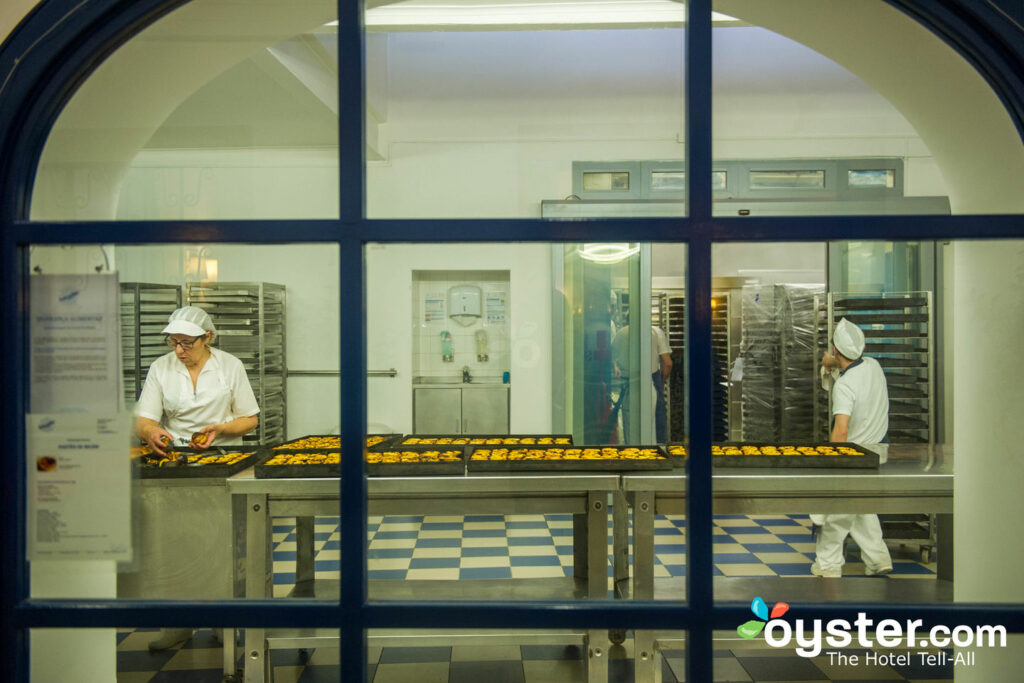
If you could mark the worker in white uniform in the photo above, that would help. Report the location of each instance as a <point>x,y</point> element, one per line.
<point>860,410</point>
<point>661,367</point>
<point>195,396</point>
<point>195,389</point>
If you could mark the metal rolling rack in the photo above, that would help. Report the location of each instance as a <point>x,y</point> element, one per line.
<point>761,344</point>
<point>899,332</point>
<point>671,316</point>
<point>674,317</point>
<point>796,319</point>
<point>145,308</point>
<point>250,320</point>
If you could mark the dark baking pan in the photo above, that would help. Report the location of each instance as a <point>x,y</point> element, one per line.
<point>868,460</point>
<point>558,466</point>
<point>891,347</point>
<point>897,303</point>
<point>418,469</point>
<point>899,378</point>
<point>886,362</point>
<point>320,470</point>
<point>149,468</point>
<point>886,318</point>
<point>894,334</point>
<point>336,442</point>
<point>905,392</point>
<point>483,439</point>
<point>303,471</point>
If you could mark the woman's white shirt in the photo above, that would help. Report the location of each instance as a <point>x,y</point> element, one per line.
<point>222,393</point>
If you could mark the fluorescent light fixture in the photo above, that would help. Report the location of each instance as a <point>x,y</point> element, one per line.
<point>610,252</point>
<point>413,15</point>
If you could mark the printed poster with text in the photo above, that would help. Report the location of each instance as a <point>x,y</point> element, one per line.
<point>79,484</point>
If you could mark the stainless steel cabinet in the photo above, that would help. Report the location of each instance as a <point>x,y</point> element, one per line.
<point>460,410</point>
<point>437,411</point>
<point>485,410</point>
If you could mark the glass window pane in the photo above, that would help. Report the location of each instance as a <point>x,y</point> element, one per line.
<point>213,112</point>
<point>515,654</point>
<point>668,180</point>
<point>605,181</point>
<point>187,654</point>
<point>719,179</point>
<point>871,178</point>
<point>534,365</point>
<point>778,180</point>
<point>192,361</point>
<point>484,110</point>
<point>878,422</point>
<point>893,97</point>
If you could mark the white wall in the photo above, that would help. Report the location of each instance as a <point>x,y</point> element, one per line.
<point>390,339</point>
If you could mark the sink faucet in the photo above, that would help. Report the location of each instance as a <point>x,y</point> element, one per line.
<point>466,379</point>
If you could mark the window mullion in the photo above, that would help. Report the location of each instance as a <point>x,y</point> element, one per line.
<point>700,591</point>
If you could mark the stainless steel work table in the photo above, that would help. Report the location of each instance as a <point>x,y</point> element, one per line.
<point>583,495</point>
<point>915,479</point>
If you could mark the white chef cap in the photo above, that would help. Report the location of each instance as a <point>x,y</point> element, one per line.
<point>190,320</point>
<point>848,339</point>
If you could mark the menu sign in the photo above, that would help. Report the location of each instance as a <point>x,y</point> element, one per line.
<point>78,486</point>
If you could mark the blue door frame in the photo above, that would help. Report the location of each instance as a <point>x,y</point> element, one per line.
<point>57,46</point>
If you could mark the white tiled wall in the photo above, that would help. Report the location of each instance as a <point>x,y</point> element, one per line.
<point>427,345</point>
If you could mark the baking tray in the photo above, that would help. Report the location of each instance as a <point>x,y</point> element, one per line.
<point>320,470</point>
<point>335,444</point>
<point>485,439</point>
<point>869,459</point>
<point>878,304</point>
<point>149,470</point>
<point>473,466</point>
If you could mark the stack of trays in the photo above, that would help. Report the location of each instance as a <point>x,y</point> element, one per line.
<point>216,462</point>
<point>145,309</point>
<point>567,458</point>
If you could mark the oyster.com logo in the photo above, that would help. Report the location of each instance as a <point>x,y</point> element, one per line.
<point>752,628</point>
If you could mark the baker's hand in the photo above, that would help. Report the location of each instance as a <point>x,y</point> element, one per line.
<point>159,439</point>
<point>205,437</point>
<point>829,362</point>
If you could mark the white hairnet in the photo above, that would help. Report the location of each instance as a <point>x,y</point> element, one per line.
<point>190,320</point>
<point>848,339</point>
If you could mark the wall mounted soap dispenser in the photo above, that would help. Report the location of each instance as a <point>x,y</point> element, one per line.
<point>447,355</point>
<point>481,346</point>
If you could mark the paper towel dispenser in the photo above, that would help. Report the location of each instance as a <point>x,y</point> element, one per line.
<point>465,303</point>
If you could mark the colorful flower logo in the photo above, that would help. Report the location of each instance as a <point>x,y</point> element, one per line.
<point>750,629</point>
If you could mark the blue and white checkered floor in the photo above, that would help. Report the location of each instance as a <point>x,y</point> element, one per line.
<point>524,546</point>
<point>540,546</point>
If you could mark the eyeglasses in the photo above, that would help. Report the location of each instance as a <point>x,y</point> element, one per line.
<point>185,344</point>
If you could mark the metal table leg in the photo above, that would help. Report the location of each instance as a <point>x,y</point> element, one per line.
<point>597,656</point>
<point>620,537</point>
<point>304,557</point>
<point>579,546</point>
<point>944,541</point>
<point>646,665</point>
<point>258,581</point>
<point>597,545</point>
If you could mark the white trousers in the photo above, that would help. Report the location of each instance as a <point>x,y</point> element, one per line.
<point>866,532</point>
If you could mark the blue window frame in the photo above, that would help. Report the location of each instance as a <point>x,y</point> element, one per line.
<point>36,79</point>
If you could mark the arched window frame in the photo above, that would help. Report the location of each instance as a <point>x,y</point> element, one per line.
<point>55,48</point>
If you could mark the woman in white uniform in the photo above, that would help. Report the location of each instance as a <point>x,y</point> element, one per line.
<point>194,390</point>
